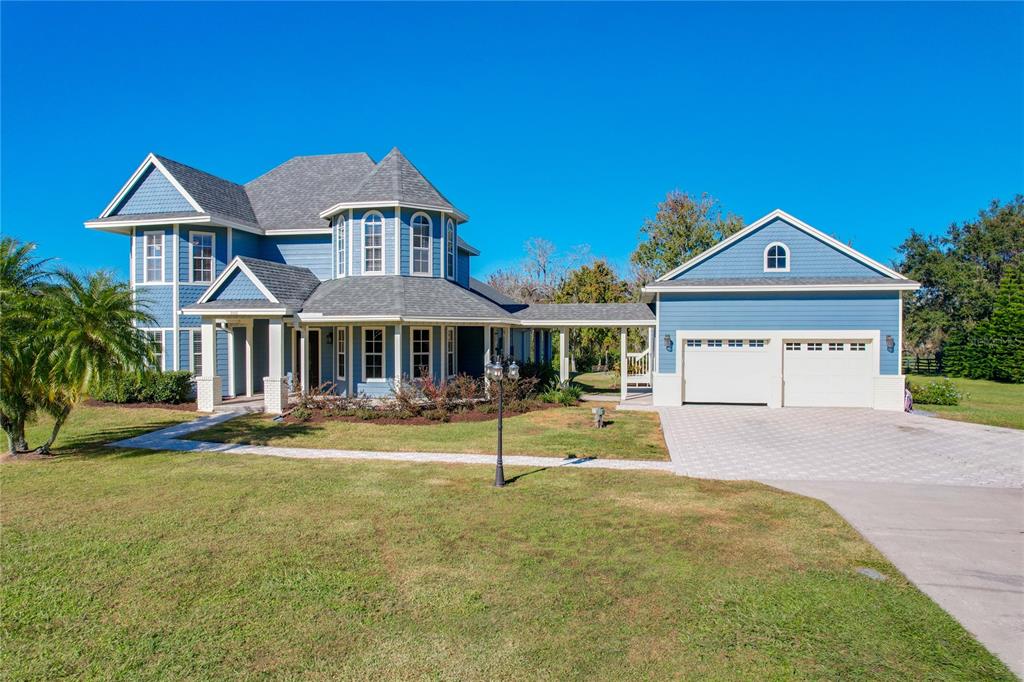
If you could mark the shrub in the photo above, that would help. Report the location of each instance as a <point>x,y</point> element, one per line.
<point>302,413</point>
<point>937,392</point>
<point>150,387</point>
<point>438,415</point>
<point>567,393</point>
<point>487,408</point>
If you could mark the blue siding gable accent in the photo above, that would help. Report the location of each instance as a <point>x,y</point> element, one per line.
<point>311,251</point>
<point>158,301</point>
<point>808,256</point>
<point>153,193</point>
<point>784,311</point>
<point>238,287</point>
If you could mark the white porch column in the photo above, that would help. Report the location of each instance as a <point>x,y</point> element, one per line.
<point>208,385</point>
<point>623,365</point>
<point>231,361</point>
<point>650,356</point>
<point>303,360</point>
<point>249,369</point>
<point>563,354</point>
<point>506,343</point>
<point>398,354</point>
<point>275,386</point>
<point>487,345</point>
<point>444,352</point>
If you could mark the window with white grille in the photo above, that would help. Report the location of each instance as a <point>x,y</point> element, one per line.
<point>373,243</point>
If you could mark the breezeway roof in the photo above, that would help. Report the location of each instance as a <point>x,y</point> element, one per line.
<point>586,315</point>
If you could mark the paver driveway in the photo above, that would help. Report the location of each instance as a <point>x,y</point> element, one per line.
<point>816,444</point>
<point>941,499</point>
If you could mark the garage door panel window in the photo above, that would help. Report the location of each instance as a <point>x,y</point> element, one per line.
<point>790,345</point>
<point>858,346</point>
<point>756,343</point>
<point>714,343</point>
<point>693,343</point>
<point>836,346</point>
<point>814,346</point>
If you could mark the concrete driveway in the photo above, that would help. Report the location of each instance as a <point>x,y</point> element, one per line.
<point>942,500</point>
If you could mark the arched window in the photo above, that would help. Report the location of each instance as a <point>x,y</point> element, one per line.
<point>373,242</point>
<point>421,244</point>
<point>450,251</point>
<point>338,223</point>
<point>776,257</point>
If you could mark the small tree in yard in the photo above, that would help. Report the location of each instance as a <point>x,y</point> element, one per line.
<point>61,336</point>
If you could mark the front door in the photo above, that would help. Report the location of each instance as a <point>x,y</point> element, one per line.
<point>314,358</point>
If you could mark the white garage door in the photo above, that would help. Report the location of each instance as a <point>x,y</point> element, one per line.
<point>828,373</point>
<point>726,370</point>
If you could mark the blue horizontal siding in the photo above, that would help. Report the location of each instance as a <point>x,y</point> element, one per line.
<point>311,251</point>
<point>187,295</point>
<point>245,244</point>
<point>153,193</point>
<point>462,271</point>
<point>809,257</point>
<point>776,311</point>
<point>220,250</point>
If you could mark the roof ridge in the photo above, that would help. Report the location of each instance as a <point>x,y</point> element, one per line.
<point>165,159</point>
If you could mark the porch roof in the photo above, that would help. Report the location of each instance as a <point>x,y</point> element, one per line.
<point>587,315</point>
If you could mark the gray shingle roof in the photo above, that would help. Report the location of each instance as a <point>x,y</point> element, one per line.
<point>485,289</point>
<point>430,298</point>
<point>395,179</point>
<point>292,195</point>
<point>290,284</point>
<point>468,248</point>
<point>580,312</point>
<point>780,280</point>
<point>215,195</point>
<point>169,216</point>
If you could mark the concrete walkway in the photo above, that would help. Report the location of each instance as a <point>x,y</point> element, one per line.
<point>172,438</point>
<point>943,500</point>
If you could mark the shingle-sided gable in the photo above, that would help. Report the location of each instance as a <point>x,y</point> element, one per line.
<point>153,193</point>
<point>238,287</point>
<point>809,256</point>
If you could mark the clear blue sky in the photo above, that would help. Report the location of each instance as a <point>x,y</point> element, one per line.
<point>564,121</point>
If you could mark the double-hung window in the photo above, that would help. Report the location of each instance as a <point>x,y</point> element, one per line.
<point>373,243</point>
<point>154,257</point>
<point>420,364</point>
<point>156,341</point>
<point>338,222</point>
<point>450,249</point>
<point>197,353</point>
<point>201,246</point>
<point>373,354</point>
<point>342,351</point>
<point>421,244</point>
<point>450,351</point>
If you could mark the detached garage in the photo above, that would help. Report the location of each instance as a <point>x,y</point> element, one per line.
<point>779,314</point>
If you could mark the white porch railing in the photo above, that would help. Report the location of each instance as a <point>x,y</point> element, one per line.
<point>638,368</point>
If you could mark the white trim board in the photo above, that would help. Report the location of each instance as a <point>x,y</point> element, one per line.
<point>883,285</point>
<point>795,222</point>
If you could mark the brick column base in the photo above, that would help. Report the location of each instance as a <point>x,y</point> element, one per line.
<point>207,393</point>
<point>275,395</point>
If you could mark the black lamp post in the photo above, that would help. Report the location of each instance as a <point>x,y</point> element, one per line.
<point>496,372</point>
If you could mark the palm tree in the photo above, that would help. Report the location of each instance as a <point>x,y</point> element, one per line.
<point>92,336</point>
<point>23,287</point>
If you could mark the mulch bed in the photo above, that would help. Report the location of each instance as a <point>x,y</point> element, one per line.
<point>184,407</point>
<point>456,417</point>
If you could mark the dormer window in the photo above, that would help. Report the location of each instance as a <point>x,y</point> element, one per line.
<point>450,252</point>
<point>776,257</point>
<point>421,244</point>
<point>373,242</point>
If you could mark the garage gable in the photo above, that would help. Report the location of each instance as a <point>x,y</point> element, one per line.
<point>797,250</point>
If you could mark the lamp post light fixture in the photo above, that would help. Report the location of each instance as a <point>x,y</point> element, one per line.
<point>496,372</point>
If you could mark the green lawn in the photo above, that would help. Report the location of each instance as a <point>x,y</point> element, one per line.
<point>988,402</point>
<point>556,432</point>
<point>598,382</point>
<point>124,564</point>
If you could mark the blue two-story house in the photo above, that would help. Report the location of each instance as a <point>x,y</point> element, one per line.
<point>342,271</point>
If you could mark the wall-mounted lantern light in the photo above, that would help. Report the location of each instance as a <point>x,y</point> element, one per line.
<point>330,338</point>
<point>890,343</point>
<point>668,343</point>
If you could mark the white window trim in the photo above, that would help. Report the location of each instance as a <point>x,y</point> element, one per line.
<point>193,334</point>
<point>453,361</point>
<point>451,249</point>
<point>789,260</point>
<point>430,351</point>
<point>340,372</point>
<point>383,224</point>
<point>213,257</point>
<point>430,245</point>
<point>163,343</point>
<point>145,256</point>
<point>383,354</point>
<point>340,245</point>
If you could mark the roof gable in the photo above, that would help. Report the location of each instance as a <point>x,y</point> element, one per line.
<point>238,286</point>
<point>254,279</point>
<point>396,180</point>
<point>811,254</point>
<point>215,195</point>
<point>152,192</point>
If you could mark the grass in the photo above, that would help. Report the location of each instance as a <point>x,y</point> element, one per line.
<point>556,432</point>
<point>598,382</point>
<point>122,564</point>
<point>987,402</point>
